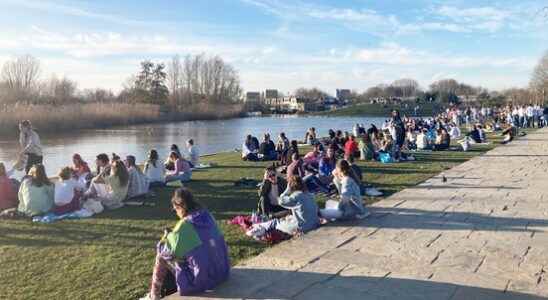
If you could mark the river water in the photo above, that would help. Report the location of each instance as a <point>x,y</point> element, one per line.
<point>210,137</point>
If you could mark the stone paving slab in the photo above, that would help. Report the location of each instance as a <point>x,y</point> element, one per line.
<point>481,235</point>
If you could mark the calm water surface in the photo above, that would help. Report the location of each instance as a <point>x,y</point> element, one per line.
<point>210,137</point>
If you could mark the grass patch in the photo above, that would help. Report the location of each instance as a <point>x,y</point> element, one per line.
<point>111,256</point>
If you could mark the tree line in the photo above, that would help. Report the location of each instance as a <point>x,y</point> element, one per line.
<point>195,79</point>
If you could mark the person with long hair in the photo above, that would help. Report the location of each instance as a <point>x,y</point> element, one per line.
<point>154,171</point>
<point>182,171</point>
<point>303,211</point>
<point>138,182</point>
<point>350,204</point>
<point>80,168</point>
<point>193,256</point>
<point>68,192</point>
<point>8,189</point>
<point>31,148</point>
<point>36,192</point>
<point>366,148</point>
<point>117,186</point>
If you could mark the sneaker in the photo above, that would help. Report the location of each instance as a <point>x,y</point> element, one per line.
<point>256,231</point>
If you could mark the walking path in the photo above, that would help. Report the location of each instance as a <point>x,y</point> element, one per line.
<point>483,234</point>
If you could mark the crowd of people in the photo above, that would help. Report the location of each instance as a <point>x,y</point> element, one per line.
<point>287,192</point>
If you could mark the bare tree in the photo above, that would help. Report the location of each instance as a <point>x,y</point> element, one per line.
<point>21,74</point>
<point>539,78</point>
<point>175,78</point>
<point>408,86</point>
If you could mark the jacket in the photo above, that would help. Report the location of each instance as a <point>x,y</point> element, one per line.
<point>265,206</point>
<point>199,251</point>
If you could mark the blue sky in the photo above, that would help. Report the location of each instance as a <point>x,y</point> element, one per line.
<point>284,44</point>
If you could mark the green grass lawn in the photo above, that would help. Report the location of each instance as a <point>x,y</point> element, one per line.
<point>111,256</point>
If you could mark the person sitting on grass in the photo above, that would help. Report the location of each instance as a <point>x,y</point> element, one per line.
<point>116,184</point>
<point>312,158</point>
<point>293,149</point>
<point>366,148</point>
<point>170,165</point>
<point>138,182</point>
<point>477,134</point>
<point>296,167</point>
<point>249,151</point>
<point>181,172</point>
<point>35,193</point>
<point>350,204</point>
<point>422,140</point>
<point>302,208</point>
<point>443,140</point>
<point>193,154</point>
<point>154,171</point>
<point>351,147</point>
<point>192,257</point>
<point>68,192</point>
<point>267,149</point>
<point>270,189</point>
<point>80,168</point>
<point>8,189</point>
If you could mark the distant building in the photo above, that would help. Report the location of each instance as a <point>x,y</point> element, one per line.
<point>344,94</point>
<point>271,94</point>
<point>253,97</point>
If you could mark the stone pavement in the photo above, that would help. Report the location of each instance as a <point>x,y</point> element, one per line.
<point>481,235</point>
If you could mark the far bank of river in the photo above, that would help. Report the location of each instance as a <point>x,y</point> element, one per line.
<point>211,137</point>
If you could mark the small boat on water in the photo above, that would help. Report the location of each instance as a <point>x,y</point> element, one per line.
<point>254,114</point>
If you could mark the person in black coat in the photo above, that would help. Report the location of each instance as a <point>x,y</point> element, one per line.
<point>271,188</point>
<point>268,149</point>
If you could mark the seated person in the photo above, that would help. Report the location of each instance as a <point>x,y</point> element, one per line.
<point>154,171</point>
<point>366,148</point>
<point>508,135</point>
<point>193,154</point>
<point>465,143</point>
<point>114,187</point>
<point>138,182</point>
<point>8,189</point>
<point>194,252</point>
<point>267,149</point>
<point>454,131</point>
<point>411,139</point>
<point>181,172</point>
<point>296,167</point>
<point>302,208</point>
<point>169,165</point>
<point>271,188</point>
<point>477,134</point>
<point>68,192</point>
<point>350,205</point>
<point>80,168</point>
<point>36,192</point>
<point>249,151</point>
<point>312,158</point>
<point>351,147</point>
<point>293,148</point>
<point>310,136</point>
<point>443,140</point>
<point>422,140</point>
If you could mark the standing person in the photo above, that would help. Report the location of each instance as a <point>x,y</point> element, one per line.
<point>30,145</point>
<point>193,154</point>
<point>282,146</point>
<point>36,192</point>
<point>194,251</point>
<point>154,171</point>
<point>399,138</point>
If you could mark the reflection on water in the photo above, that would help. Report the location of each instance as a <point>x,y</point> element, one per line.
<point>210,136</point>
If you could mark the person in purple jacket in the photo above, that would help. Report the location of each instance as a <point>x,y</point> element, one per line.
<point>194,252</point>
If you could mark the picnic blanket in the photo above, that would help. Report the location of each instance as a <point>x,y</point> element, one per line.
<point>51,217</point>
<point>271,237</point>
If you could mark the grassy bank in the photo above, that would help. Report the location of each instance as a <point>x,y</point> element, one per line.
<point>382,110</point>
<point>52,118</point>
<point>111,256</point>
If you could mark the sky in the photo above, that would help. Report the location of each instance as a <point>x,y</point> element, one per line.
<point>284,44</point>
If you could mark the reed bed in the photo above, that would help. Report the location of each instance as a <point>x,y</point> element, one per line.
<point>59,118</point>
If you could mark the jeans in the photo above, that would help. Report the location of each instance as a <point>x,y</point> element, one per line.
<point>183,177</point>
